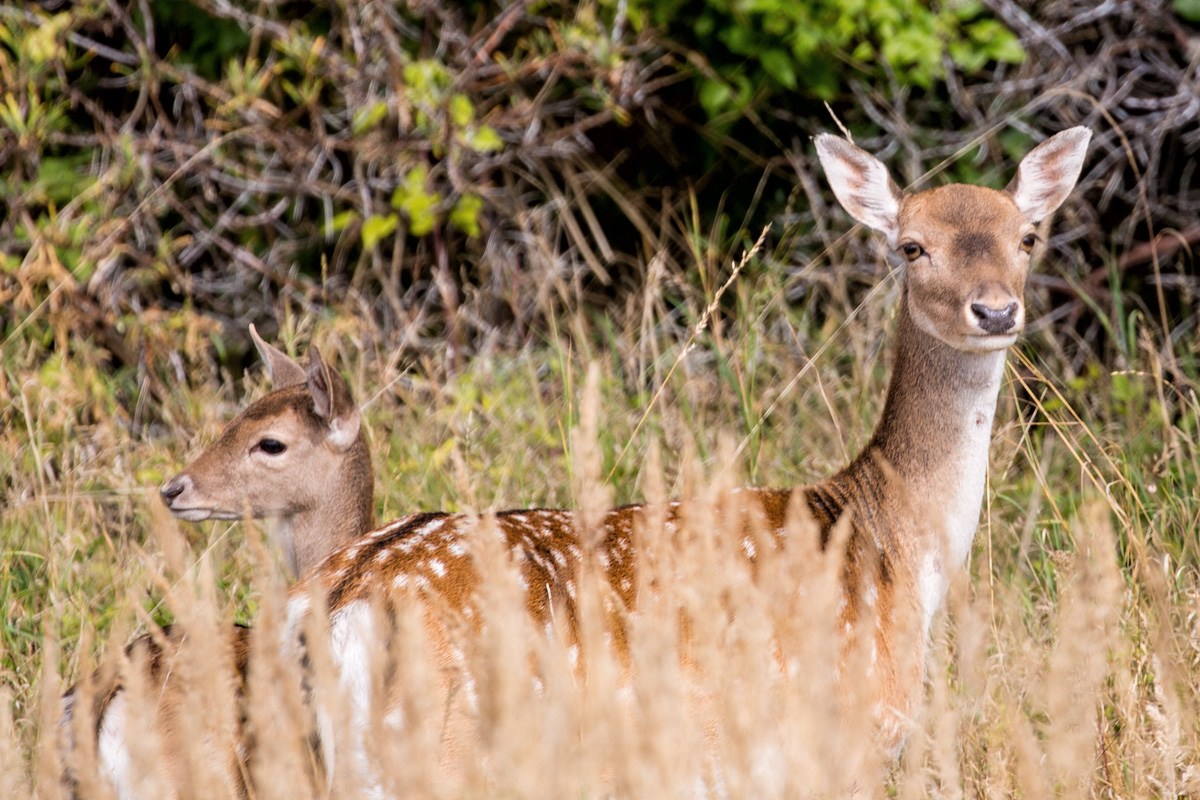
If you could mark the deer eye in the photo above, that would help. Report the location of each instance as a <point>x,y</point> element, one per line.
<point>912,251</point>
<point>1029,241</point>
<point>271,447</point>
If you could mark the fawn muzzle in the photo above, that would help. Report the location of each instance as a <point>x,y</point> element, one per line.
<point>996,321</point>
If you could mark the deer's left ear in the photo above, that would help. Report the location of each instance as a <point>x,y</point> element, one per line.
<point>332,401</point>
<point>1049,173</point>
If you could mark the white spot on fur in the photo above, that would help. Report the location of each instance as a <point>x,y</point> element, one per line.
<point>436,567</point>
<point>748,547</point>
<point>298,606</point>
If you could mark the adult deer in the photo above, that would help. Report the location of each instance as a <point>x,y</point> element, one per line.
<point>912,497</point>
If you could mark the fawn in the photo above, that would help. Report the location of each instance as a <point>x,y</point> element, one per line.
<point>296,457</point>
<point>909,503</point>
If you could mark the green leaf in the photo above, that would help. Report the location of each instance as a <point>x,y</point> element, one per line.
<point>484,139</point>
<point>1009,50</point>
<point>369,117</point>
<point>422,213</point>
<point>465,214</point>
<point>462,112</point>
<point>414,182</point>
<point>340,221</point>
<point>779,65</point>
<point>715,96</point>
<point>424,76</point>
<point>1188,9</point>
<point>376,227</point>
<point>418,204</point>
<point>62,178</point>
<point>965,9</point>
<point>968,57</point>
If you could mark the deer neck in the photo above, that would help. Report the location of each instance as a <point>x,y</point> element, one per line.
<point>343,512</point>
<point>934,434</point>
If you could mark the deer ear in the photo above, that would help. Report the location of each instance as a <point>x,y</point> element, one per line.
<point>862,185</point>
<point>283,370</point>
<point>1049,172</point>
<point>332,401</point>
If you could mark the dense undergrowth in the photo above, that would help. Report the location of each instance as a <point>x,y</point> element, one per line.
<point>465,205</point>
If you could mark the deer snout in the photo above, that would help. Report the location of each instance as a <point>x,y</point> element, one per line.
<point>179,495</point>
<point>174,487</point>
<point>995,320</point>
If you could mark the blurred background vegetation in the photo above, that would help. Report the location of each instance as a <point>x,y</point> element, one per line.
<point>418,185</point>
<point>458,170</point>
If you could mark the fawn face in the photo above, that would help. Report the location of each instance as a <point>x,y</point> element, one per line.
<point>287,453</point>
<point>967,249</point>
<point>271,461</point>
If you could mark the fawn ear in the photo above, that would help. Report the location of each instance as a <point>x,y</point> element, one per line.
<point>284,371</point>
<point>332,401</point>
<point>862,185</point>
<point>1049,172</point>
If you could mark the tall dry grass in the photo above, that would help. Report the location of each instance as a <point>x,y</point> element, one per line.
<point>1072,675</point>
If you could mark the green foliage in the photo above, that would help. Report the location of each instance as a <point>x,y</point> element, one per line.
<point>758,48</point>
<point>1188,9</point>
<point>465,214</point>
<point>418,203</point>
<point>206,42</point>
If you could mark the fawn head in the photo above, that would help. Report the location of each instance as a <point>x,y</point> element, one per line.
<point>967,247</point>
<point>297,451</point>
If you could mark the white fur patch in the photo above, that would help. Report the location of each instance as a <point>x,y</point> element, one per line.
<point>112,750</point>
<point>352,632</point>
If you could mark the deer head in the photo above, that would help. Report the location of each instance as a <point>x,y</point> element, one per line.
<point>967,247</point>
<point>296,456</point>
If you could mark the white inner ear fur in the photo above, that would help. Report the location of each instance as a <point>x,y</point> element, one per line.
<point>343,430</point>
<point>1049,173</point>
<point>862,185</point>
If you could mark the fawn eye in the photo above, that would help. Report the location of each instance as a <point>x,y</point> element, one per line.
<point>912,251</point>
<point>271,447</point>
<point>1029,241</point>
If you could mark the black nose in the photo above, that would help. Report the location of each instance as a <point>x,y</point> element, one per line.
<point>173,488</point>
<point>995,320</point>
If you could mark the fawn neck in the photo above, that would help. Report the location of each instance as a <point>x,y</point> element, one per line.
<point>934,434</point>
<point>343,514</point>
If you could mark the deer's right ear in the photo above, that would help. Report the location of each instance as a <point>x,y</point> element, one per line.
<point>284,371</point>
<point>332,401</point>
<point>862,185</point>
